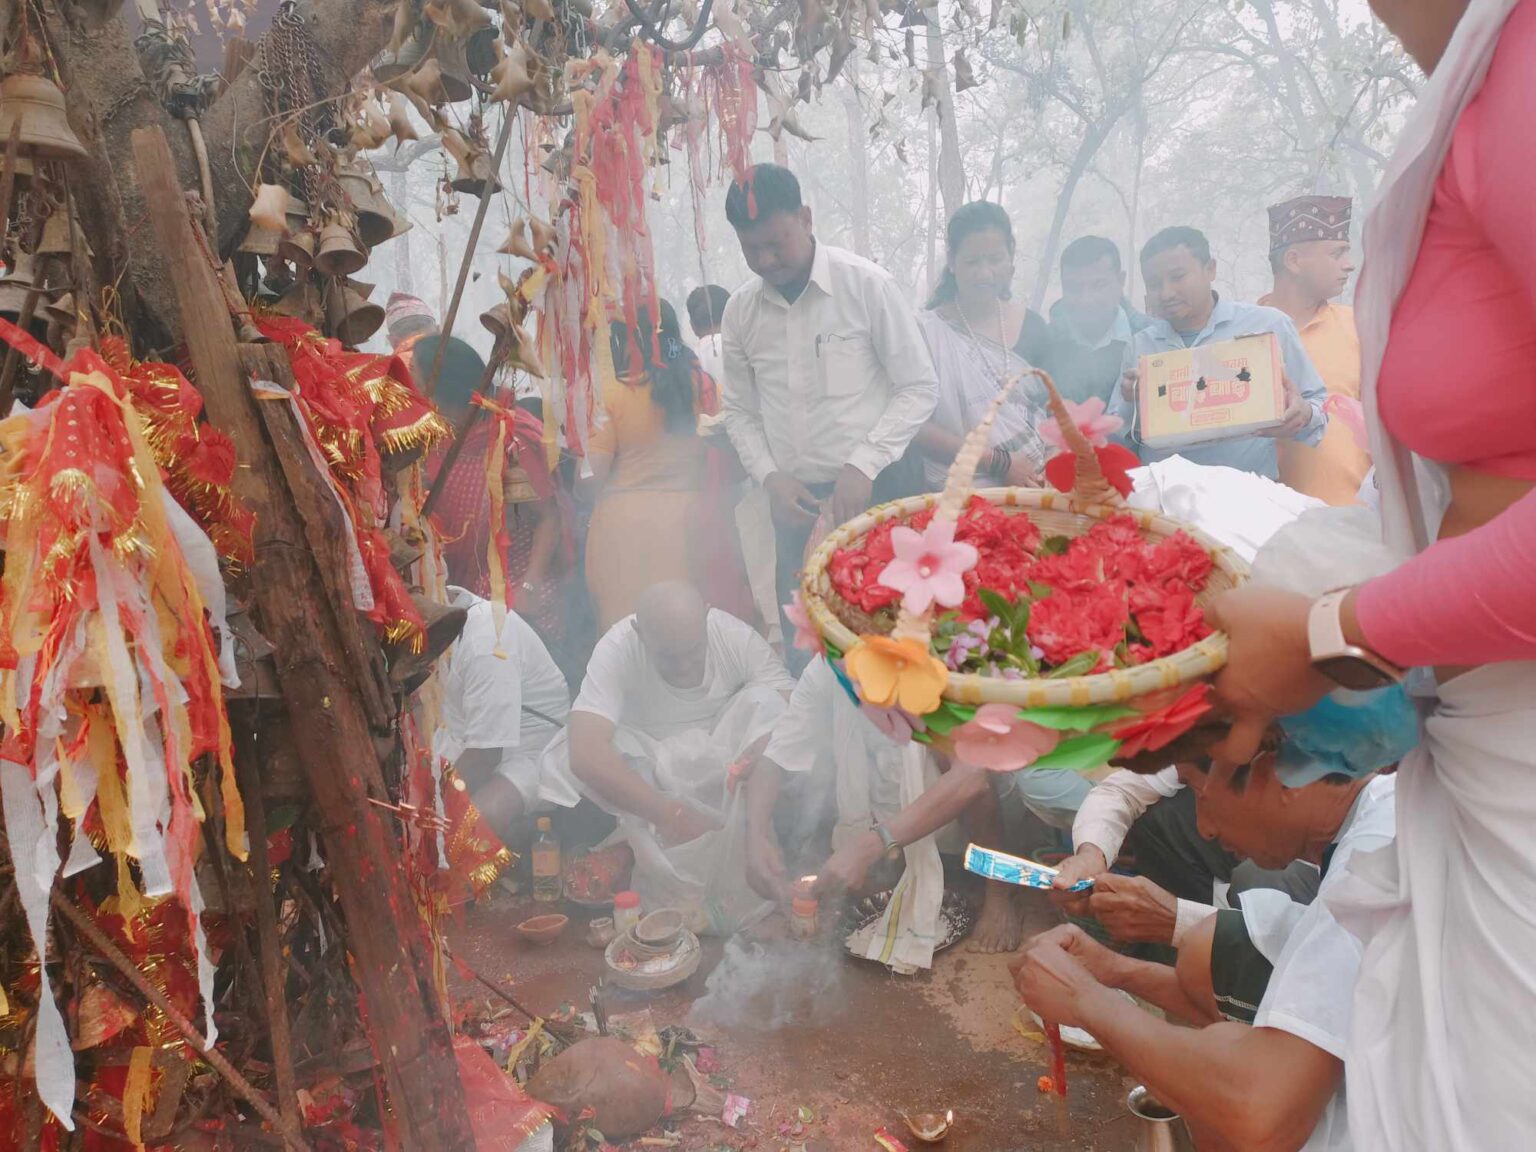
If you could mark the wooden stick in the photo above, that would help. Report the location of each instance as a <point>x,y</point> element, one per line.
<point>214,1058</point>
<point>273,974</point>
<point>8,179</point>
<point>13,354</point>
<point>469,255</point>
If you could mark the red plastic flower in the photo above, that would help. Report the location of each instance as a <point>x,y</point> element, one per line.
<point>1168,617</point>
<point>1115,461</point>
<point>1066,624</point>
<point>1160,724</point>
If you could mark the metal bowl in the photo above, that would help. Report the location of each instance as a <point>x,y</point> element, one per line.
<point>956,916</point>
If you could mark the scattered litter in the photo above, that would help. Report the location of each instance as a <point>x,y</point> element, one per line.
<point>707,1061</point>
<point>1045,1084</point>
<point>736,1109</point>
<point>887,1140</point>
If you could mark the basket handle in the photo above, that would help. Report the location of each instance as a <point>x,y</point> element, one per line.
<point>1089,485</point>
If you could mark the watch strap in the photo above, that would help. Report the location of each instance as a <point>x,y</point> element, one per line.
<point>1325,628</point>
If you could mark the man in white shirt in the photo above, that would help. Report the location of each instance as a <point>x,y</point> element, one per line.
<point>503,701</point>
<point>675,698</point>
<point>1184,874</point>
<point>827,377</point>
<point>1269,988</point>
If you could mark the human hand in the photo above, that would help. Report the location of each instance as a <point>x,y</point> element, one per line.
<point>1052,981</point>
<point>1298,413</point>
<point>790,501</point>
<point>849,865</point>
<point>766,874</point>
<point>1103,964</point>
<point>1022,473</point>
<point>1134,909</point>
<point>1269,670</point>
<point>1128,382</point>
<point>684,824</point>
<point>1087,863</point>
<point>852,494</point>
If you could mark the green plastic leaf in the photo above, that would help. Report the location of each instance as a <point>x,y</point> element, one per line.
<point>1054,545</point>
<point>947,717</point>
<point>1038,590</point>
<point>995,603</point>
<point>1079,753</point>
<point>1067,719</point>
<point>1080,665</point>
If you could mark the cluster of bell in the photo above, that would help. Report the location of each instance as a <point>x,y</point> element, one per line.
<point>36,102</point>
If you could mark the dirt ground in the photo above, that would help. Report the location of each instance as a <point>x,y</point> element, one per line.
<point>845,1039</point>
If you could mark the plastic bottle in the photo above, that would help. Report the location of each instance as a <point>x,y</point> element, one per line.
<point>626,911</point>
<point>548,879</point>
<point>803,917</point>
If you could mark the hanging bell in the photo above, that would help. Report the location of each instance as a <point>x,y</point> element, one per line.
<point>517,486</point>
<point>390,64</point>
<point>38,104</point>
<point>457,82</point>
<point>298,246</point>
<point>13,297</point>
<point>498,321</point>
<point>340,253</point>
<point>300,302</point>
<point>61,311</point>
<point>480,51</point>
<point>475,175</point>
<point>352,317</point>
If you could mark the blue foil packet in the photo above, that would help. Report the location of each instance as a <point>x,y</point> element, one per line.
<point>1349,733</point>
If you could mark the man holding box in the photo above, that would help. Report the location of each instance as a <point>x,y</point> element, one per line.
<point>1179,273</point>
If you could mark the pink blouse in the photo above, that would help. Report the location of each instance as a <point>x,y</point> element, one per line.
<point>1458,381</point>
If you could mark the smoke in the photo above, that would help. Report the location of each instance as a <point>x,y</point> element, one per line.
<point>768,986</point>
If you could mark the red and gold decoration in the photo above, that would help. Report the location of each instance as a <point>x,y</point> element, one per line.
<point>110,689</point>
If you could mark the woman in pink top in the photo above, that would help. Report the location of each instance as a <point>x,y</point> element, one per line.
<point>1438,1056</point>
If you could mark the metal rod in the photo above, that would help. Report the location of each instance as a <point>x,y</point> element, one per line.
<point>466,422</point>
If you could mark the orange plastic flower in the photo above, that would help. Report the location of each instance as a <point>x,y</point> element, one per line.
<point>897,673</point>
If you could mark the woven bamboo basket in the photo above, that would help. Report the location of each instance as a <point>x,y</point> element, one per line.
<point>1056,514</point>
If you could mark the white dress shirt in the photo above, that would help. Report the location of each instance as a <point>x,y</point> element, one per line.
<point>840,376</point>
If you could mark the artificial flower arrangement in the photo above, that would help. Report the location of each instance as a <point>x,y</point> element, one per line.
<point>1023,628</point>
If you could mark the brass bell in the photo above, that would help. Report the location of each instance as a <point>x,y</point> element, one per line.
<point>39,105</point>
<point>498,321</point>
<point>391,65</point>
<point>298,247</point>
<point>13,297</point>
<point>61,311</point>
<point>475,175</point>
<point>299,302</point>
<point>340,253</point>
<point>480,50</point>
<point>516,486</point>
<point>55,238</point>
<point>457,82</point>
<point>352,318</point>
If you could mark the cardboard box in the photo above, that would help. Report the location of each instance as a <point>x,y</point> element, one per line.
<point>1217,391</point>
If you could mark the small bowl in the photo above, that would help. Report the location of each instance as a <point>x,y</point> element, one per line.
<point>600,932</point>
<point>543,929</point>
<point>929,1127</point>
<point>660,929</point>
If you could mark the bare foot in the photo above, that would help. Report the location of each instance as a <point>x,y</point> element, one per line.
<point>999,928</point>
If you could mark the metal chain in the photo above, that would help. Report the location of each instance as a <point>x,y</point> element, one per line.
<point>289,73</point>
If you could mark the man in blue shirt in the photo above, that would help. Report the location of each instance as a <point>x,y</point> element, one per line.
<point>1179,272</point>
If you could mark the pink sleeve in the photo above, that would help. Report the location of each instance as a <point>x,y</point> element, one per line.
<point>1497,174</point>
<point>1466,600</point>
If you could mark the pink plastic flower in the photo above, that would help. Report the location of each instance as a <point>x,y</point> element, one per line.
<point>897,724</point>
<point>1090,418</point>
<point>997,740</point>
<point>807,638</point>
<point>929,567</point>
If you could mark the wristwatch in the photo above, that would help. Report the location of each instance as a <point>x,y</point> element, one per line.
<point>892,849</point>
<point>1347,665</point>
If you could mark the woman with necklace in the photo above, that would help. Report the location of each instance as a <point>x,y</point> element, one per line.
<point>979,337</point>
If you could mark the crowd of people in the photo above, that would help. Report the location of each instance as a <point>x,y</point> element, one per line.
<point>1294,937</point>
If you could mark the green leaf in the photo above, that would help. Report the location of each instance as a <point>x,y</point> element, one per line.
<point>1080,665</point>
<point>1068,719</point>
<point>995,603</point>
<point>947,718</point>
<point>1038,590</point>
<point>1079,753</point>
<point>1054,545</point>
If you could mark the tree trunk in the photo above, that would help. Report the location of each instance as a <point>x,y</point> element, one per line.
<point>951,165</point>
<point>1092,141</point>
<point>324,700</point>
<point>858,163</point>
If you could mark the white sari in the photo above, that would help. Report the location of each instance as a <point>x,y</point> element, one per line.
<point>1438,1056</point>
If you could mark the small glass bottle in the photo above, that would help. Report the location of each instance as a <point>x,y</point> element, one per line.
<point>626,912</point>
<point>548,879</point>
<point>804,911</point>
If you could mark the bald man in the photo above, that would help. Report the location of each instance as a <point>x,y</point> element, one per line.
<point>674,696</point>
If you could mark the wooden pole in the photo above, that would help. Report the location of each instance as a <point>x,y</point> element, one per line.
<point>508,115</point>
<point>320,688</point>
<point>461,433</point>
<point>274,974</point>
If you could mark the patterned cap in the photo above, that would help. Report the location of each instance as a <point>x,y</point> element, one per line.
<point>402,307</point>
<point>1309,218</point>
